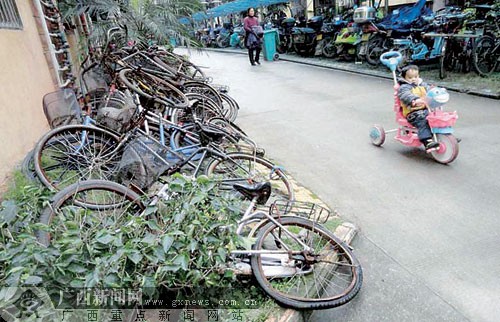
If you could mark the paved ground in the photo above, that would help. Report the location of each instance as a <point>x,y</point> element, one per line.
<point>429,233</point>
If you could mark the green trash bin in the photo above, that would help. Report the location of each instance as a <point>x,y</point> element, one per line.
<point>271,37</point>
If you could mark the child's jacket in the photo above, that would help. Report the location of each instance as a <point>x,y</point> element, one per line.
<point>408,92</point>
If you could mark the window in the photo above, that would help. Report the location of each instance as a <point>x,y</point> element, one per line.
<point>9,15</point>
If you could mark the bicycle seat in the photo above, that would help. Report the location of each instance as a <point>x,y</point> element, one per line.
<point>261,191</point>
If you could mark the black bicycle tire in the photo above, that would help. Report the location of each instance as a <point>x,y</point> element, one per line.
<point>28,167</point>
<point>209,170</point>
<point>307,304</point>
<point>46,139</point>
<point>62,196</point>
<point>475,58</point>
<point>231,108</point>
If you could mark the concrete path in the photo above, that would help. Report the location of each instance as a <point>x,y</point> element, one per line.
<point>429,240</point>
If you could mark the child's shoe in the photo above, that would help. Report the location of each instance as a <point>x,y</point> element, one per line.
<point>431,145</point>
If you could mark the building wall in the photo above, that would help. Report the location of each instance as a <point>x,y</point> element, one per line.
<point>24,79</point>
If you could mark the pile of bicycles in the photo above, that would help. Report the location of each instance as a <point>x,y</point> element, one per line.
<point>143,115</point>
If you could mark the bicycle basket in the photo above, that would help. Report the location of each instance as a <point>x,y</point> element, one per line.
<point>309,210</point>
<point>144,160</point>
<point>61,108</point>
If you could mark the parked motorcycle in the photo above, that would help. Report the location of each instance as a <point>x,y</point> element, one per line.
<point>305,39</point>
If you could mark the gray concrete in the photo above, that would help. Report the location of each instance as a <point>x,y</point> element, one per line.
<point>429,240</point>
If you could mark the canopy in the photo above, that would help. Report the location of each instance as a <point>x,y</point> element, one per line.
<point>233,7</point>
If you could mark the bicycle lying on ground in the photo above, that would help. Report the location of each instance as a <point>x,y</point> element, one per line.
<point>295,259</point>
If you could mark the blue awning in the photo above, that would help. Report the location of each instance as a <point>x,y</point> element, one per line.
<point>234,7</point>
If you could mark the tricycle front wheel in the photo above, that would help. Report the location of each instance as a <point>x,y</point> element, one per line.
<point>448,149</point>
<point>377,135</point>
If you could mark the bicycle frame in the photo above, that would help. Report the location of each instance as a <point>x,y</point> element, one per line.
<point>250,216</point>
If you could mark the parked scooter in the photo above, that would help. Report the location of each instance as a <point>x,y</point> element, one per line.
<point>347,42</point>
<point>237,38</point>
<point>364,17</point>
<point>339,22</point>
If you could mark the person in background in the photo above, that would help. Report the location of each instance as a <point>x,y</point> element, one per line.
<point>252,39</point>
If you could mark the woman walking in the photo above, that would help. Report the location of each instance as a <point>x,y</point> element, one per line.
<point>253,34</point>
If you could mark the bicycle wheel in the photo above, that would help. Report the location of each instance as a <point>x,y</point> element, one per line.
<point>485,58</point>
<point>154,88</point>
<point>324,276</point>
<point>247,168</point>
<point>75,152</point>
<point>230,107</point>
<point>28,167</point>
<point>92,206</point>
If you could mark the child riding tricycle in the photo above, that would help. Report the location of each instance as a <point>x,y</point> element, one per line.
<point>419,114</point>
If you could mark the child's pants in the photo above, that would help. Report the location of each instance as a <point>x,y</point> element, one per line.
<point>419,120</point>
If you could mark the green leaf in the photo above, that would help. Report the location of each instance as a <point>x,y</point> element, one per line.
<point>169,268</point>
<point>105,239</point>
<point>77,283</point>
<point>193,245</point>
<point>179,217</point>
<point>167,243</point>
<point>203,179</point>
<point>150,210</point>
<point>111,280</point>
<point>39,258</point>
<point>153,225</point>
<point>33,280</point>
<point>135,257</point>
<point>197,199</point>
<point>222,253</point>
<point>149,285</point>
<point>9,211</point>
<point>182,260</point>
<point>6,293</point>
<point>75,268</point>
<point>149,239</point>
<point>228,273</point>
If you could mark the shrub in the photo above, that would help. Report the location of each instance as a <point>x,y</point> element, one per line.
<point>187,246</point>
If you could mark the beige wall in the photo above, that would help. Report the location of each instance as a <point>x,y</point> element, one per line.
<point>24,79</point>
